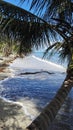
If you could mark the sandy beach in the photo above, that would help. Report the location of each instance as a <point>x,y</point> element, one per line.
<point>12,114</point>
<point>32,64</point>
<point>4,64</point>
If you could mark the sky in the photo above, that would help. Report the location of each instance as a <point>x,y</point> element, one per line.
<point>24,5</point>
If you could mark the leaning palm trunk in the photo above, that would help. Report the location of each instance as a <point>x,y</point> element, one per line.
<point>48,114</point>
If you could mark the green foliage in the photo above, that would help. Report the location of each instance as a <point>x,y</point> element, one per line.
<point>29,31</point>
<point>22,26</point>
<point>64,50</point>
<point>54,8</point>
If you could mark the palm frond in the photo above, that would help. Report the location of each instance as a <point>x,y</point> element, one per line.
<point>63,49</point>
<point>65,53</point>
<point>25,27</point>
<point>52,49</point>
<point>64,24</point>
<point>64,27</point>
<point>31,31</point>
<point>62,9</point>
<point>13,11</point>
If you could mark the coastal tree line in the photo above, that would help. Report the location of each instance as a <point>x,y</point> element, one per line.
<point>53,29</point>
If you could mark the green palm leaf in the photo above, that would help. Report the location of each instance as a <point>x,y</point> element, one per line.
<point>28,29</point>
<point>52,49</point>
<point>25,27</point>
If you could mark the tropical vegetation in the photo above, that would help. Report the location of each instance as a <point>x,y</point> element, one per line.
<point>55,23</point>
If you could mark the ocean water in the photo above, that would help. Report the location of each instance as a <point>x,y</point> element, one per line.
<point>35,86</point>
<point>55,58</point>
<point>41,87</point>
<point>35,91</point>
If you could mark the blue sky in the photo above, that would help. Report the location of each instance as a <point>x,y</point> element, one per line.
<point>17,2</point>
<point>25,5</point>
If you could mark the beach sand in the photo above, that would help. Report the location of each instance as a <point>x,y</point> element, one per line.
<point>12,115</point>
<point>5,72</point>
<point>32,64</point>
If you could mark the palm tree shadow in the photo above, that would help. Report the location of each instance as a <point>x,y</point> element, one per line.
<point>14,126</point>
<point>10,115</point>
<point>64,118</point>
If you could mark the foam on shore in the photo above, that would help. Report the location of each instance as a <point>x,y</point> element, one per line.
<point>19,103</point>
<point>12,115</point>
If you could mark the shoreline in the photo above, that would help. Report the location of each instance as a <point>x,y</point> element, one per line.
<point>12,116</point>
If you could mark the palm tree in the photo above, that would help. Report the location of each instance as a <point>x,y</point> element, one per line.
<point>43,121</point>
<point>55,24</point>
<point>22,26</point>
<point>65,49</point>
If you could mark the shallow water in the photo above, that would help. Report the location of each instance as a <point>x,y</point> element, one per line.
<point>35,91</point>
<point>41,87</point>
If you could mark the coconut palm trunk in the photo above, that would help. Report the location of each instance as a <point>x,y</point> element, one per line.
<point>48,114</point>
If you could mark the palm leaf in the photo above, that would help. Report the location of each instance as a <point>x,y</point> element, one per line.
<point>57,8</point>
<point>62,48</point>
<point>56,46</point>
<point>65,53</point>
<point>23,26</point>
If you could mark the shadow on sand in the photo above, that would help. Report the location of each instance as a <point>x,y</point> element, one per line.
<point>11,116</point>
<point>64,118</point>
